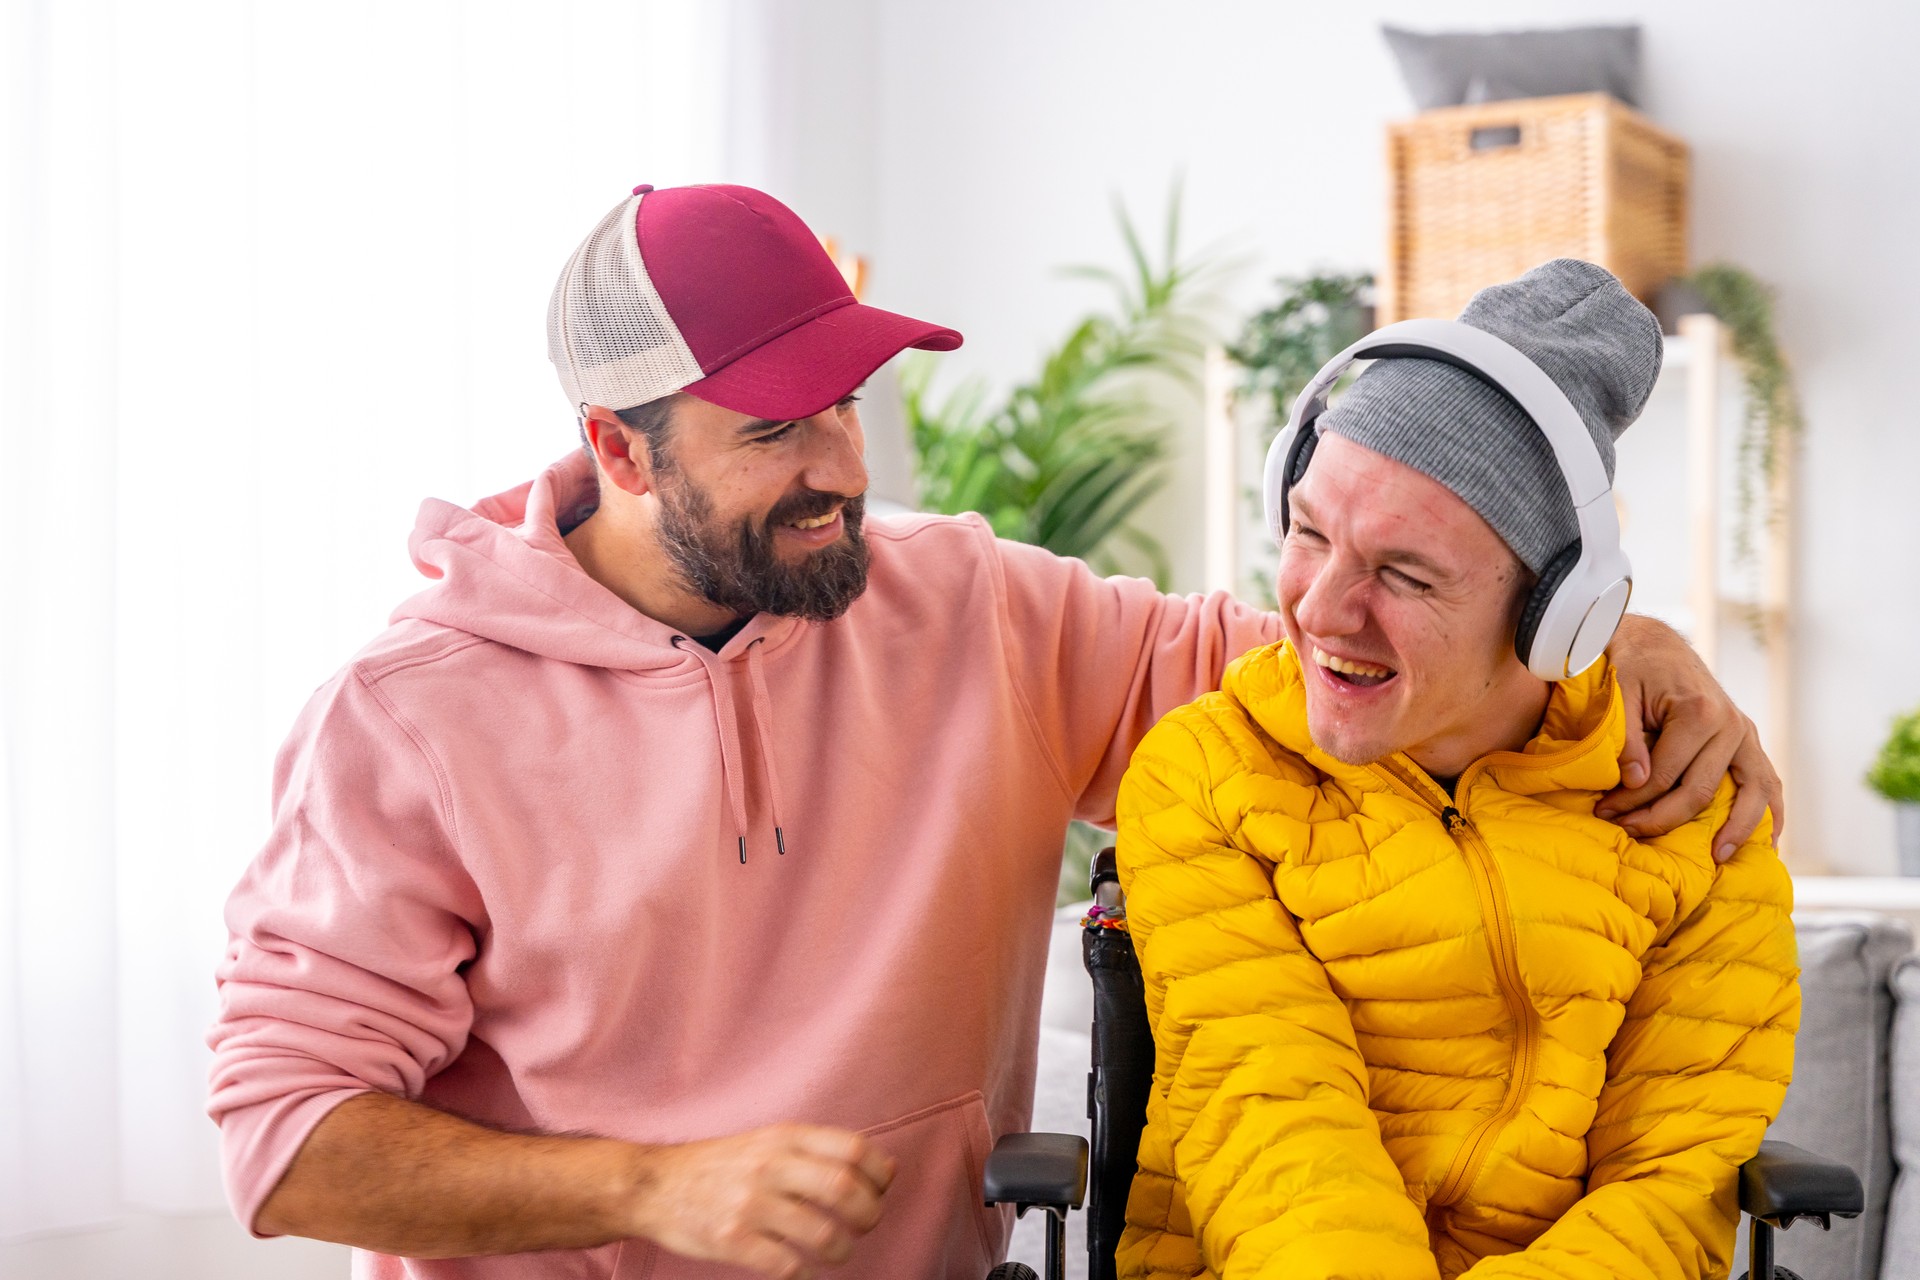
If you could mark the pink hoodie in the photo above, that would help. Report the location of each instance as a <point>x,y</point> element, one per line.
<point>526,862</point>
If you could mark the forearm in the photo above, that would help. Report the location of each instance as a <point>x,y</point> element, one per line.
<point>396,1177</point>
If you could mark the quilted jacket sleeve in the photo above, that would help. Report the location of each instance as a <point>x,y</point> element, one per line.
<point>1695,1074</point>
<point>1260,1146</point>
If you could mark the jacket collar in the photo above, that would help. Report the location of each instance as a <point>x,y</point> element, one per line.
<point>1577,747</point>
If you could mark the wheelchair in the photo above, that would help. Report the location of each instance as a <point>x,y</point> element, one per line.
<point>1055,1172</point>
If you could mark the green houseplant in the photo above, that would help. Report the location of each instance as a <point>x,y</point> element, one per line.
<point>1066,459</point>
<point>1896,775</point>
<point>1284,344</point>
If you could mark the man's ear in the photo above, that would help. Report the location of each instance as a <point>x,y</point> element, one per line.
<point>619,450</point>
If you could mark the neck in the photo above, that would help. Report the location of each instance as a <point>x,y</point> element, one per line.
<point>618,547</point>
<point>1505,719</point>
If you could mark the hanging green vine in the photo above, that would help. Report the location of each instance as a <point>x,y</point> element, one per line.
<point>1773,422</point>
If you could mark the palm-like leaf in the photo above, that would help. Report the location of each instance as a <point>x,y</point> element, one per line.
<point>1066,461</point>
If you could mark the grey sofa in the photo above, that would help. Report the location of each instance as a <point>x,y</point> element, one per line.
<point>1855,1094</point>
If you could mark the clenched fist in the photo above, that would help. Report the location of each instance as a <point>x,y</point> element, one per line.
<point>782,1200</point>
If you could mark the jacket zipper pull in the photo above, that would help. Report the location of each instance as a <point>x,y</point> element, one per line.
<point>1455,823</point>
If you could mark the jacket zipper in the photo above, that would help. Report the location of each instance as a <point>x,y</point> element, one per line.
<point>1497,911</point>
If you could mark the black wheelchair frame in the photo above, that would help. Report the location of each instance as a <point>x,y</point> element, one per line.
<point>1054,1172</point>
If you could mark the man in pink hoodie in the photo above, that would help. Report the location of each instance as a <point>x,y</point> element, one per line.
<point>666,892</point>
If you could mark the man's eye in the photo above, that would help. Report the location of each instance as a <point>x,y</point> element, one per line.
<point>847,400</point>
<point>779,433</point>
<point>1407,580</point>
<point>1303,531</point>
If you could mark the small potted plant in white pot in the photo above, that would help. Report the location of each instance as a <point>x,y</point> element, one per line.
<point>1896,775</point>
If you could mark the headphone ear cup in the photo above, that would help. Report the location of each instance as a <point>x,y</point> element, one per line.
<point>1295,467</point>
<point>1541,598</point>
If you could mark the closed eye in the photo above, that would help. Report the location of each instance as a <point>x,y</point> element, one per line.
<point>1407,580</point>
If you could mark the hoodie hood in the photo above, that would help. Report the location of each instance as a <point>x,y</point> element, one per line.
<point>501,570</point>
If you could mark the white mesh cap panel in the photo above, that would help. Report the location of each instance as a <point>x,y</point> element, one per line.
<point>608,333</point>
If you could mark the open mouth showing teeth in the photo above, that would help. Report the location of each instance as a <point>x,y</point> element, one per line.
<point>1364,675</point>
<point>816,522</point>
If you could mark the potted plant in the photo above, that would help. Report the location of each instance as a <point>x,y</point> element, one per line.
<point>1067,459</point>
<point>1896,775</point>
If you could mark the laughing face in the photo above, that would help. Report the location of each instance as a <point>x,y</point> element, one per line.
<point>1400,601</point>
<point>765,517</point>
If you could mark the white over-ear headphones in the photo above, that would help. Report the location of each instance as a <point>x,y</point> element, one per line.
<point>1583,591</point>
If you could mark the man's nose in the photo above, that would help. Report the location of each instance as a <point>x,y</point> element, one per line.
<point>837,461</point>
<point>1334,603</point>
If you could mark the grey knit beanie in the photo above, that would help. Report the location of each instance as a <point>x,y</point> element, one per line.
<point>1584,330</point>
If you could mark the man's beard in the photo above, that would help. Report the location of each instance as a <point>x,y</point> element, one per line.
<point>737,569</point>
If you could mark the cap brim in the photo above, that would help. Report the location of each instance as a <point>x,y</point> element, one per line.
<point>810,367</point>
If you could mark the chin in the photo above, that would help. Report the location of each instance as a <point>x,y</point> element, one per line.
<point>1348,743</point>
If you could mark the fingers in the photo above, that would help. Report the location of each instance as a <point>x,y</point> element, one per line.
<point>1757,789</point>
<point>1692,791</point>
<point>766,1256</point>
<point>841,1190</point>
<point>781,1200</point>
<point>807,1230</point>
<point>847,1148</point>
<point>1683,734</point>
<point>1633,755</point>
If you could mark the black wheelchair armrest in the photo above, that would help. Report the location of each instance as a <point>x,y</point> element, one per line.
<point>1784,1183</point>
<point>1047,1170</point>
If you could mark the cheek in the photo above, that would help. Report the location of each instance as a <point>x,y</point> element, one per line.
<point>1294,576</point>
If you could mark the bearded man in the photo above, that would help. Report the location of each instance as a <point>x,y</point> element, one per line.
<point>1418,1012</point>
<point>666,892</point>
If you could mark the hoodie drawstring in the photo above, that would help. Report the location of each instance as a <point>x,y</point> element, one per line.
<point>730,767</point>
<point>763,721</point>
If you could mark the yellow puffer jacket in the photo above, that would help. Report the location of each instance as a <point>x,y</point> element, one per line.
<point>1403,1034</point>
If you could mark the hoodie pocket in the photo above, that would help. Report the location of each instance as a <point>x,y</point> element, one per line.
<point>934,1224</point>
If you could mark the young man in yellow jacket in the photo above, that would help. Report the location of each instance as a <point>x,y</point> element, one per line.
<point>1418,1011</point>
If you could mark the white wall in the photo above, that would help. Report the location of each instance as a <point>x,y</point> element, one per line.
<point>171,1247</point>
<point>992,134</point>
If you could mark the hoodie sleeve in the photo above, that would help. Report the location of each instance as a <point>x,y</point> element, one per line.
<point>1260,1146</point>
<point>1696,1073</point>
<point>1099,660</point>
<point>346,937</point>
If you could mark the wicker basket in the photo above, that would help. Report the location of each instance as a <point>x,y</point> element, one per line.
<point>1481,194</point>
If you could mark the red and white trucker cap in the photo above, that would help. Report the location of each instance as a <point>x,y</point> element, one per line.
<point>722,292</point>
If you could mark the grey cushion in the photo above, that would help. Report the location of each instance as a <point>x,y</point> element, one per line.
<point>1445,69</point>
<point>1838,1102</point>
<point>1901,1256</point>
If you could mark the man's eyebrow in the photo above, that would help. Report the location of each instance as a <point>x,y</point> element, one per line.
<point>1393,555</point>
<point>1402,555</point>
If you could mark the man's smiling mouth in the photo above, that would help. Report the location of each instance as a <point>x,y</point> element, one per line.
<point>1364,675</point>
<point>817,522</point>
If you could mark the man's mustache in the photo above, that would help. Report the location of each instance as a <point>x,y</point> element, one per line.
<point>811,504</point>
